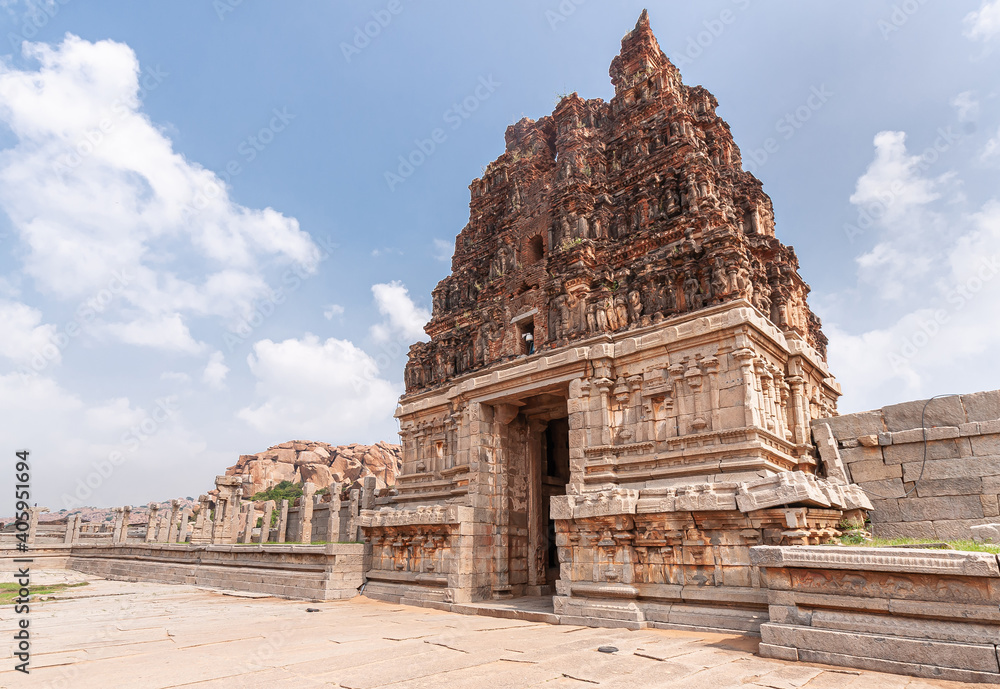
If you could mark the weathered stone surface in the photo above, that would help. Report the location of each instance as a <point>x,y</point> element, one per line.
<point>936,449</point>
<point>986,533</point>
<point>949,486</point>
<point>605,217</point>
<point>862,472</point>
<point>982,406</point>
<point>880,490</point>
<point>919,612</point>
<point>855,425</point>
<point>320,463</point>
<point>945,411</point>
<point>933,509</point>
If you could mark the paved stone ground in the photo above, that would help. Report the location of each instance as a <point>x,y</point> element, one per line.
<point>153,636</point>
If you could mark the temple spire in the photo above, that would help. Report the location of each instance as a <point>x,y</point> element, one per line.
<point>640,55</point>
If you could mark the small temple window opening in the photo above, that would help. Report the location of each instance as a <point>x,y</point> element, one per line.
<point>536,250</point>
<point>528,338</point>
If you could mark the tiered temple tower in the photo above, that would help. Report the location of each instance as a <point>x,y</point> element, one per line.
<point>614,404</point>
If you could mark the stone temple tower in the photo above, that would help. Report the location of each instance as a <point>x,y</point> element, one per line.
<point>614,404</point>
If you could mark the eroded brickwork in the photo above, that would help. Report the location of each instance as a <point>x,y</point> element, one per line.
<point>606,216</point>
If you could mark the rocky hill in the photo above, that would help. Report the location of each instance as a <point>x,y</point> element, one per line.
<point>321,463</point>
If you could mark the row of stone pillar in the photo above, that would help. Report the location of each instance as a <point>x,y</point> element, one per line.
<point>234,520</point>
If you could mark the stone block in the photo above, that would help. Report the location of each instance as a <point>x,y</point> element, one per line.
<point>931,671</point>
<point>958,529</point>
<point>951,448</point>
<point>966,631</point>
<point>862,472</point>
<point>964,656</point>
<point>883,490</point>
<point>918,435</point>
<point>982,406</point>
<point>985,444</point>
<point>949,486</point>
<point>930,509</point>
<point>922,530</point>
<point>792,487</point>
<point>884,511</point>
<point>945,411</point>
<point>971,428</point>
<point>991,505</point>
<point>778,652</point>
<point>854,425</point>
<point>967,467</point>
<point>986,533</point>
<point>851,455</point>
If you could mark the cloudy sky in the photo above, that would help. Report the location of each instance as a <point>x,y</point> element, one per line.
<point>208,245</point>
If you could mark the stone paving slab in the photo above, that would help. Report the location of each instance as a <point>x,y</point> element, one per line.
<point>161,636</point>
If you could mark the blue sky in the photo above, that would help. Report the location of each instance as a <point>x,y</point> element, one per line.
<point>198,193</point>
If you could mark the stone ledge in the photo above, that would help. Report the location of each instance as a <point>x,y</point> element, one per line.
<point>877,559</point>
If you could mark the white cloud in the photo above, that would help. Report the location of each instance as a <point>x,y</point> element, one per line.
<point>443,249</point>
<point>333,310</point>
<point>895,193</point>
<point>24,336</point>
<point>215,371</point>
<point>403,318</point>
<point>104,452</point>
<point>177,376</point>
<point>317,390</point>
<point>159,332</point>
<point>932,278</point>
<point>991,151</point>
<point>92,187</point>
<point>984,23</point>
<point>966,105</point>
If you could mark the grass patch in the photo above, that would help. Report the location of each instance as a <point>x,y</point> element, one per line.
<point>8,590</point>
<point>860,538</point>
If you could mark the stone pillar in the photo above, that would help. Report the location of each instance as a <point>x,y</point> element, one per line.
<point>265,524</point>
<point>116,534</point>
<point>126,519</point>
<point>248,523</point>
<point>201,521</point>
<point>218,522</point>
<point>77,529</point>
<point>151,526</point>
<point>283,521</point>
<point>352,519</point>
<point>33,513</point>
<point>308,490</point>
<point>172,530</point>
<point>368,493</point>
<point>235,513</point>
<point>182,535</point>
<point>751,417</point>
<point>71,528</point>
<point>163,532</point>
<point>333,517</point>
<point>800,432</point>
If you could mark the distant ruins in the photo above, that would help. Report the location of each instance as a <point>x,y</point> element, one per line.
<point>616,399</point>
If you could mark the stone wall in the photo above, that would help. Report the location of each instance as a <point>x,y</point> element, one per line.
<point>907,611</point>
<point>314,572</point>
<point>937,499</point>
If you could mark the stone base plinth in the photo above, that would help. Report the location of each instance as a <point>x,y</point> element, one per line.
<point>907,611</point>
<point>312,572</point>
